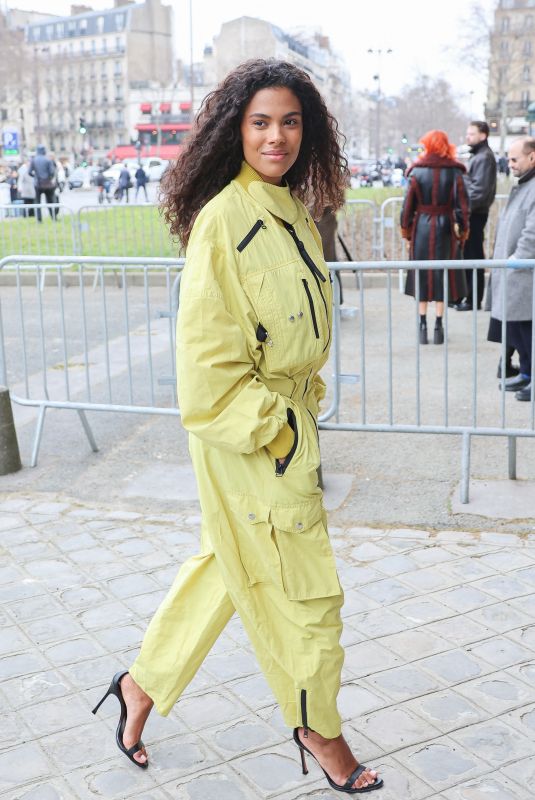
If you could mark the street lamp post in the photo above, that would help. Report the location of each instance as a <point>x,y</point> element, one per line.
<point>378,97</point>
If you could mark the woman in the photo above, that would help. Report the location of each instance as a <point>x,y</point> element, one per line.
<point>434,219</point>
<point>253,331</point>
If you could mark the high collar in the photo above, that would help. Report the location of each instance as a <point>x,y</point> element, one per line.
<point>434,160</point>
<point>475,148</point>
<point>276,199</point>
<point>527,176</point>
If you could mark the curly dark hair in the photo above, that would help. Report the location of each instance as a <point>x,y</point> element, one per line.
<point>213,155</point>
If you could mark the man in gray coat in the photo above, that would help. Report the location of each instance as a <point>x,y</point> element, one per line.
<point>515,239</point>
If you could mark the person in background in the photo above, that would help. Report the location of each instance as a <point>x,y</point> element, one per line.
<point>481,183</point>
<point>515,239</point>
<point>141,182</point>
<point>103,185</point>
<point>434,219</point>
<point>26,187</point>
<point>124,183</point>
<point>12,183</point>
<point>42,168</point>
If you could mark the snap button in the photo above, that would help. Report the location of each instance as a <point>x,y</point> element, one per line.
<point>300,314</point>
<point>252,516</point>
<point>291,318</point>
<point>299,525</point>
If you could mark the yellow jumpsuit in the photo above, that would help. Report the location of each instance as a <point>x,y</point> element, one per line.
<point>254,329</point>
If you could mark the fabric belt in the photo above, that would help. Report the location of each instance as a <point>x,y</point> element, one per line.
<point>435,211</point>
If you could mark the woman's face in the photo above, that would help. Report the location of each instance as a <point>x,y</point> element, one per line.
<point>271,132</point>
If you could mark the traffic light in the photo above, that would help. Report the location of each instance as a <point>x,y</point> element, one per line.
<point>404,138</point>
<point>82,128</point>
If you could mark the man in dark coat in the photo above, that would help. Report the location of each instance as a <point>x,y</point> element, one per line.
<point>481,183</point>
<point>43,170</point>
<point>515,239</point>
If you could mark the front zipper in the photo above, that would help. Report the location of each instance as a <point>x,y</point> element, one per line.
<point>304,717</point>
<point>312,309</point>
<point>250,236</point>
<point>319,277</point>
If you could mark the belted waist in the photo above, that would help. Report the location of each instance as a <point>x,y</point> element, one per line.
<point>435,211</point>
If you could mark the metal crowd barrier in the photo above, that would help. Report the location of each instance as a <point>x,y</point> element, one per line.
<point>113,349</point>
<point>110,349</point>
<point>21,232</point>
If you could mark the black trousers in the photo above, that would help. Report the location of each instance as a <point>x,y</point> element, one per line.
<point>519,336</point>
<point>50,195</point>
<point>473,248</point>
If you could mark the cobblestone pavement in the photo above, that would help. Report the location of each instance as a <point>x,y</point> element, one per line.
<point>438,685</point>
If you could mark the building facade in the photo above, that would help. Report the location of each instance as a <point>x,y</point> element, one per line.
<point>511,70</point>
<point>86,70</point>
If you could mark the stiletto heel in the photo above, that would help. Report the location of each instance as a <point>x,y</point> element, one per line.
<point>303,761</point>
<point>115,689</point>
<point>348,785</point>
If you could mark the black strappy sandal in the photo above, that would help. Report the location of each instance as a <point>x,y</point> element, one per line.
<point>348,785</point>
<point>115,688</point>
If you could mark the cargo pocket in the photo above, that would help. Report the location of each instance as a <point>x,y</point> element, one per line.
<point>307,559</point>
<point>254,537</point>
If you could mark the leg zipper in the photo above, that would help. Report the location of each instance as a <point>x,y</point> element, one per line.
<point>304,718</point>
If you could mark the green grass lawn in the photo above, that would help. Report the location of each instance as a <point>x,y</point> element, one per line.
<point>111,231</point>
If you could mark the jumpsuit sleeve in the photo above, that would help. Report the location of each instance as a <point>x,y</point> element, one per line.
<point>319,391</point>
<point>408,209</point>
<point>221,398</point>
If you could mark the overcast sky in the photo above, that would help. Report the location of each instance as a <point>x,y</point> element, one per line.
<point>422,35</point>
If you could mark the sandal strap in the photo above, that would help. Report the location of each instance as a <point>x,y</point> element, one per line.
<point>354,775</point>
<point>135,748</point>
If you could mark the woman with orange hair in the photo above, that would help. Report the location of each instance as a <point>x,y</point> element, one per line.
<point>434,219</point>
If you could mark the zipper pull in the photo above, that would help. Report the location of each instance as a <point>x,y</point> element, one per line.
<point>279,469</point>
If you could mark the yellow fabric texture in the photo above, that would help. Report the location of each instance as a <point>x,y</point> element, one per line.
<point>245,398</point>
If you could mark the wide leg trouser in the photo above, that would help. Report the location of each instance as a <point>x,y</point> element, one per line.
<point>296,642</point>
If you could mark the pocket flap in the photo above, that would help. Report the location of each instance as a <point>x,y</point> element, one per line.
<point>298,518</point>
<point>249,510</point>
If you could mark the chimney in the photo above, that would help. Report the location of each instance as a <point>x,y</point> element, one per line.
<point>79,9</point>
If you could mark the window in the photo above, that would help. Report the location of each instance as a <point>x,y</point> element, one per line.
<point>118,44</point>
<point>36,34</point>
<point>504,48</point>
<point>103,70</point>
<point>527,50</point>
<point>505,24</point>
<point>49,31</point>
<point>528,21</point>
<point>60,29</point>
<point>82,26</point>
<point>100,24</point>
<point>93,46</point>
<point>104,46</point>
<point>119,22</point>
<point>117,69</point>
<point>525,98</point>
<point>526,73</point>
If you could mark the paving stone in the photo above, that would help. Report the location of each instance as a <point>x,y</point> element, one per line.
<point>10,521</point>
<point>500,652</point>
<point>528,574</point>
<point>80,541</point>
<point>180,755</point>
<point>120,638</point>
<point>465,598</point>
<point>22,765</point>
<point>12,640</point>
<point>486,788</point>
<point>525,672</point>
<point>15,503</point>
<point>230,666</point>
<point>501,617</point>
<point>523,719</point>
<point>55,573</point>
<point>369,551</point>
<point>355,700</point>
<point>350,636</point>
<point>49,507</point>
<point>442,763</point>
<point>414,644</point>
<point>469,569</point>
<point>209,709</point>
<point>459,630</point>
<point>241,737</point>
<point>219,784</point>
<point>525,635</point>
<point>367,658</point>
<point>446,710</point>
<point>151,794</point>
<point>430,579</point>
<point>10,574</point>
<point>28,551</point>
<point>82,597</point>
<point>13,731</point>
<point>144,606</point>
<point>431,554</point>
<point>73,650</point>
<point>52,629</point>
<point>91,672</point>
<point>524,604</point>
<point>380,622</point>
<point>394,728</point>
<point>399,782</point>
<point>53,789</point>
<point>26,690</point>
<point>356,602</point>
<point>453,667</point>
<point>35,607</point>
<point>271,772</point>
<point>112,781</point>
<point>403,683</point>
<point>387,591</point>
<point>55,715</point>
<point>421,611</point>
<point>21,591</point>
<point>504,587</point>
<point>82,745</point>
<point>395,565</point>
<point>498,692</point>
<point>130,585</point>
<point>522,772</point>
<point>106,615</point>
<point>351,576</point>
<point>495,742</point>
<point>253,691</point>
<point>21,664</point>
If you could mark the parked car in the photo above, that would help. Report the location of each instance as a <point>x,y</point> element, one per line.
<point>77,178</point>
<point>154,167</point>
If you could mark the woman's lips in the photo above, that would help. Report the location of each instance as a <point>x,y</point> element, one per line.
<point>275,156</point>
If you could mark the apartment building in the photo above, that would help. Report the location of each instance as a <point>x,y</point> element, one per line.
<point>511,69</point>
<point>86,66</point>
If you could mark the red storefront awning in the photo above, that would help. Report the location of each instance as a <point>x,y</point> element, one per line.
<point>146,108</point>
<point>165,108</point>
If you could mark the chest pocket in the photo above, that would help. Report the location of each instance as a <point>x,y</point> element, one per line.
<point>291,313</point>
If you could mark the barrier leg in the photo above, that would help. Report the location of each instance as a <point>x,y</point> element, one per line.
<point>87,429</point>
<point>511,442</point>
<point>465,468</point>
<point>38,435</point>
